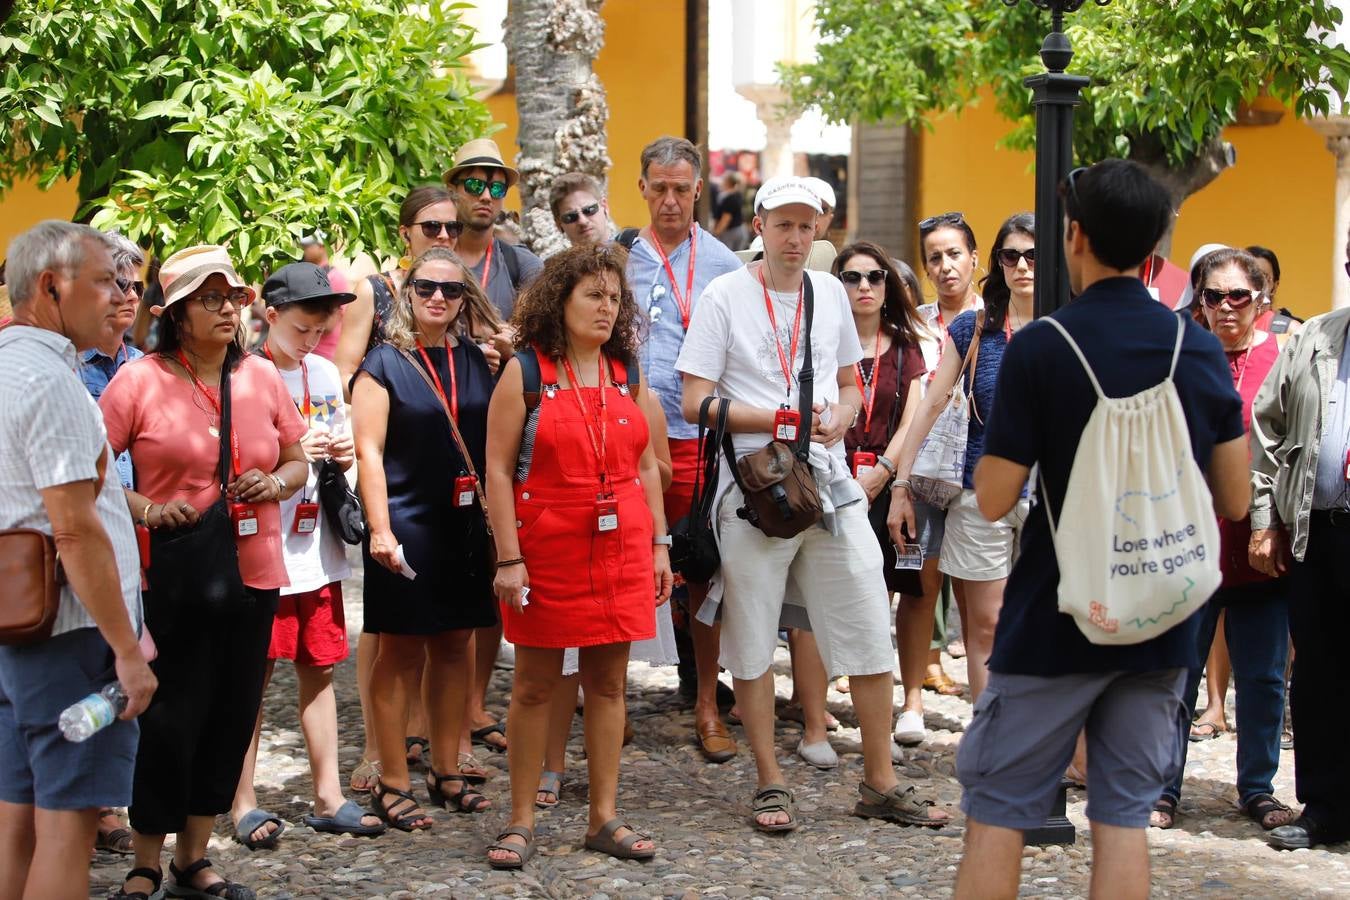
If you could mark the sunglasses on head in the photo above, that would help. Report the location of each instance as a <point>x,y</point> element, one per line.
<point>1238,298</point>
<point>570,218</point>
<point>432,229</point>
<point>932,223</point>
<point>853,279</point>
<point>426,288</point>
<point>127,284</point>
<point>1070,182</point>
<point>475,186</point>
<point>1010,257</point>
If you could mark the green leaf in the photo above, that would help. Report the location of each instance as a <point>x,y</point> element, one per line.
<point>47,114</point>
<point>162,109</point>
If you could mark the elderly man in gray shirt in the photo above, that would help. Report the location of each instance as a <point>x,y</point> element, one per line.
<point>57,476</point>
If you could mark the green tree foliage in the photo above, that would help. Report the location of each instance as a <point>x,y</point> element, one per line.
<point>245,122</point>
<point>1167,75</point>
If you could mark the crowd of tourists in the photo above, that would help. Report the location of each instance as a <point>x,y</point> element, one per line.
<point>656,445</point>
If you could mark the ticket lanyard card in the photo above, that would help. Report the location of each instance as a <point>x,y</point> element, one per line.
<point>863,463</point>
<point>306,517</point>
<point>785,424</point>
<point>909,556</point>
<point>465,488</point>
<point>245,518</point>
<point>606,514</point>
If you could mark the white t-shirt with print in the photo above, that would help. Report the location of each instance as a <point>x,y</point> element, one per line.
<point>732,343</point>
<point>319,558</point>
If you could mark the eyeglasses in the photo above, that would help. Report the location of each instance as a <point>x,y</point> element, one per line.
<point>570,218</point>
<point>853,279</point>
<point>1238,298</point>
<point>932,223</point>
<point>1010,257</point>
<point>432,229</point>
<point>126,284</point>
<point>426,288</point>
<point>474,186</point>
<point>654,299</point>
<point>214,301</point>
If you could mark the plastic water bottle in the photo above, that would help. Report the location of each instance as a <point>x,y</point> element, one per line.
<point>80,721</point>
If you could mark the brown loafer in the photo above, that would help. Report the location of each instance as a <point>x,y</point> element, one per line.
<point>714,741</point>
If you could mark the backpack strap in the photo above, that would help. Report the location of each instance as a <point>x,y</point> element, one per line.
<point>529,376</point>
<point>627,237</point>
<point>632,373</point>
<point>1176,351</point>
<point>1078,352</point>
<point>512,261</point>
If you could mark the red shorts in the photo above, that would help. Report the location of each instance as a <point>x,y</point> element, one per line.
<point>310,628</point>
<point>683,463</point>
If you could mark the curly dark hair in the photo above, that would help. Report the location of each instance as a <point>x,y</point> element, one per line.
<point>538,316</point>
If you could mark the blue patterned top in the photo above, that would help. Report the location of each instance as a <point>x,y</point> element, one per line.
<point>986,375</point>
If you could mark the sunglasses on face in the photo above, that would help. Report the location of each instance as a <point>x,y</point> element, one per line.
<point>214,301</point>
<point>570,218</point>
<point>474,187</point>
<point>126,284</point>
<point>853,279</point>
<point>426,288</point>
<point>431,229</point>
<point>1010,257</point>
<point>1238,298</point>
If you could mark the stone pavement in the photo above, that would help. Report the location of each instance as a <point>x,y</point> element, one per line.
<point>697,813</point>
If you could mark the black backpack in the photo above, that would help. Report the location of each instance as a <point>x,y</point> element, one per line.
<point>531,378</point>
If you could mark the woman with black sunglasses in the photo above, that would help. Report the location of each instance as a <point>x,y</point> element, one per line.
<point>428,576</point>
<point>1254,605</point>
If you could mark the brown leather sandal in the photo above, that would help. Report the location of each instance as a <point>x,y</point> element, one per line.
<point>604,841</point>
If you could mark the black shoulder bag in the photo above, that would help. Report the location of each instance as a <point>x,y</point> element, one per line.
<point>693,550</point>
<point>195,569</point>
<point>341,507</point>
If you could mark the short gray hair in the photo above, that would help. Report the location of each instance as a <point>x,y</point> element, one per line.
<point>125,253</point>
<point>49,246</point>
<point>666,151</point>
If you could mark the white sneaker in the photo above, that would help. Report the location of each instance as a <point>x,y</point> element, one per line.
<point>820,755</point>
<point>909,728</point>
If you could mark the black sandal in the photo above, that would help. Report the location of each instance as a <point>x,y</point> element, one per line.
<point>1263,805</point>
<point>1164,806</point>
<point>154,876</point>
<point>406,802</point>
<point>221,890</point>
<point>424,746</point>
<point>466,800</point>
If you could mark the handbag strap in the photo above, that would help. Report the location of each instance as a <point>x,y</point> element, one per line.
<point>454,431</point>
<point>704,499</point>
<point>806,379</point>
<point>225,428</point>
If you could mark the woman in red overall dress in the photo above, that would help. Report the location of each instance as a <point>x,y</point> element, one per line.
<point>578,518</point>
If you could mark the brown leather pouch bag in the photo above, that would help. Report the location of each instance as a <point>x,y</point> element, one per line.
<point>781,497</point>
<point>31,574</point>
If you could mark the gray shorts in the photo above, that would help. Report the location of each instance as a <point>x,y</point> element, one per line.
<point>1022,738</point>
<point>38,766</point>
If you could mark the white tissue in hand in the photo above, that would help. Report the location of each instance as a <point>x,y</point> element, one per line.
<point>403,566</point>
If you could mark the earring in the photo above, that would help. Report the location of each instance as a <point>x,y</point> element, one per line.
<point>405,262</point>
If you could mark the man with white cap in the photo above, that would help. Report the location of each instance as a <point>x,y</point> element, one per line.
<point>746,344</point>
<point>825,193</point>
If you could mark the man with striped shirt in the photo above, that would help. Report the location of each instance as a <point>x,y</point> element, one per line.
<point>57,475</point>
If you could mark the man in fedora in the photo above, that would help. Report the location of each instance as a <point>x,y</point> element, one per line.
<point>479,181</point>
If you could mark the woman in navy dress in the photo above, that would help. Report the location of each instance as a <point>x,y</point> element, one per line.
<point>428,577</point>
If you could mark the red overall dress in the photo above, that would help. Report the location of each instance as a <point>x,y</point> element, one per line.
<point>587,586</point>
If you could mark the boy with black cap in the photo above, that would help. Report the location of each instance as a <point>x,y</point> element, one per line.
<point>309,627</point>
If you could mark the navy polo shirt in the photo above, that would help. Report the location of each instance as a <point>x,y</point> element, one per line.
<point>1043,401</point>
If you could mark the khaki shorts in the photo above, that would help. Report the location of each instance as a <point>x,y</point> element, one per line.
<point>975,549</point>
<point>837,578</point>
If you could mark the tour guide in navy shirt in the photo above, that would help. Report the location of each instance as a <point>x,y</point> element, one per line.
<point>1047,681</point>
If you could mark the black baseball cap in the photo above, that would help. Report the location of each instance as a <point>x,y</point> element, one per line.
<point>301,281</point>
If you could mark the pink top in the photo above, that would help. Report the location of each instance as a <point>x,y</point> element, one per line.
<point>328,344</point>
<point>163,420</point>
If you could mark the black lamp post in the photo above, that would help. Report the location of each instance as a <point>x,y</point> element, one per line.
<point>1054,94</point>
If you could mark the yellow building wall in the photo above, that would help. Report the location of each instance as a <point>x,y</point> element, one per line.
<point>24,206</point>
<point>1280,194</point>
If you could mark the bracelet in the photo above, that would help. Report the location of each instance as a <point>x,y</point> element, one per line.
<point>886,464</point>
<point>902,483</point>
<point>856,412</point>
<point>279,482</point>
<point>145,514</point>
<point>664,540</point>
<point>518,561</point>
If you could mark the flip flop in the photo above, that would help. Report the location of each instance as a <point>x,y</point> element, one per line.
<point>475,774</point>
<point>347,820</point>
<point>250,822</point>
<point>480,735</point>
<point>364,776</point>
<point>1197,735</point>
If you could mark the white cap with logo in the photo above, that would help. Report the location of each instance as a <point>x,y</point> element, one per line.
<point>778,192</point>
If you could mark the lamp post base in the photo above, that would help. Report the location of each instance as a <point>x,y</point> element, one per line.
<point>1057,828</point>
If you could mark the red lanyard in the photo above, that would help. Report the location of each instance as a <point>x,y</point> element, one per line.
<point>215,403</point>
<point>685,303</point>
<point>453,401</point>
<point>869,401</point>
<point>1148,271</point>
<point>577,388</point>
<point>304,386</point>
<point>784,361</point>
<point>487,265</point>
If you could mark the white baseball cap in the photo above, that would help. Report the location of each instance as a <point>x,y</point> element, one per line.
<point>778,192</point>
<point>821,188</point>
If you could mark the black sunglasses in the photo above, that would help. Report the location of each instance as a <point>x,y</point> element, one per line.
<point>432,229</point>
<point>932,223</point>
<point>853,278</point>
<point>426,288</point>
<point>1010,257</point>
<point>496,189</point>
<point>126,284</point>
<point>1069,183</point>
<point>1238,298</point>
<point>570,218</point>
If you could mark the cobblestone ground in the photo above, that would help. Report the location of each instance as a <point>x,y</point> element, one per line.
<point>697,814</point>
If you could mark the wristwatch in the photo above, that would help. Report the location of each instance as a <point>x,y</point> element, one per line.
<point>664,539</point>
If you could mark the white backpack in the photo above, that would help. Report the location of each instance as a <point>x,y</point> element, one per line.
<point>1137,539</point>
